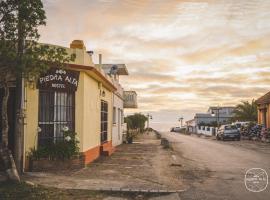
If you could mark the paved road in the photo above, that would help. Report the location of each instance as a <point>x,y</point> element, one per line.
<point>219,167</point>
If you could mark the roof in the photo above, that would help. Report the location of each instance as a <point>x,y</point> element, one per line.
<point>220,107</point>
<point>121,70</point>
<point>97,74</point>
<point>265,99</point>
<point>208,115</point>
<point>190,121</point>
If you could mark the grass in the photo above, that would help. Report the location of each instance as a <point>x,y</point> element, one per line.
<point>23,191</point>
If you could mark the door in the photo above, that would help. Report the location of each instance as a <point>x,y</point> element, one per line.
<point>11,117</point>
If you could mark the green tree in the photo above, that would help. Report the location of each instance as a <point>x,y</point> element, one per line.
<point>22,58</point>
<point>136,121</point>
<point>246,111</point>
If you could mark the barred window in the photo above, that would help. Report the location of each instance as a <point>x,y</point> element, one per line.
<point>104,121</point>
<point>56,111</point>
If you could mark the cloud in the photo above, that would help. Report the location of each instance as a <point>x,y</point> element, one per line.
<point>182,56</point>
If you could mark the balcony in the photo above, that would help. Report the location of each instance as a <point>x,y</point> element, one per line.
<point>130,99</point>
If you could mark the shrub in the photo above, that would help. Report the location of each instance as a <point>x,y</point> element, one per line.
<point>63,149</point>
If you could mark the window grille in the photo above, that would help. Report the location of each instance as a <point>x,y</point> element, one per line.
<point>56,111</point>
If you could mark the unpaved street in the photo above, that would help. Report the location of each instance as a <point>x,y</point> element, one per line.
<point>216,169</point>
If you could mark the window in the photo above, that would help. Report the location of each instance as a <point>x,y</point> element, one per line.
<point>104,121</point>
<point>56,110</point>
<point>114,115</point>
<point>122,117</point>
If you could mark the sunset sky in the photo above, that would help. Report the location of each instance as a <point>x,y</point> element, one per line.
<point>182,56</point>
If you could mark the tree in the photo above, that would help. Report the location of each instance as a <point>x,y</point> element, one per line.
<point>136,121</point>
<point>246,111</point>
<point>22,58</point>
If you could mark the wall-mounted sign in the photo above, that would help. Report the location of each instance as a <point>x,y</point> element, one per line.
<point>59,79</point>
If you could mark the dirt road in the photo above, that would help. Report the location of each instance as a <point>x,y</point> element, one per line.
<point>215,169</point>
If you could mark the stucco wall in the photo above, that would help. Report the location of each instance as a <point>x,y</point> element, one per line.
<point>31,120</point>
<point>88,107</point>
<point>117,128</point>
<point>87,114</point>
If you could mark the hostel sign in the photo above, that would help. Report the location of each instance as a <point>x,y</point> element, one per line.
<point>59,79</point>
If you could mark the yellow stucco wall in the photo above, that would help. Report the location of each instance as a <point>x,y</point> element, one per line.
<point>31,119</point>
<point>87,114</point>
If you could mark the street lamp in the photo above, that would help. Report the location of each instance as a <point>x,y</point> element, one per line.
<point>213,114</point>
<point>181,120</point>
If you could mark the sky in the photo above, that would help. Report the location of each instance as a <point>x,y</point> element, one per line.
<point>182,55</point>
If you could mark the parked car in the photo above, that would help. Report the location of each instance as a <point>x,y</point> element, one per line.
<point>228,132</point>
<point>175,129</point>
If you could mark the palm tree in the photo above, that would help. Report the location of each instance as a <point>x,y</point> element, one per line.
<point>246,111</point>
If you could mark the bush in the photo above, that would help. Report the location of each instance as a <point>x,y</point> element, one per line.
<point>63,149</point>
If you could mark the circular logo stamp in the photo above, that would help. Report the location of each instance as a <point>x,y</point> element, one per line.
<point>256,179</point>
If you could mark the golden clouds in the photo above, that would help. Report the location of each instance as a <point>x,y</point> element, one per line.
<point>176,51</point>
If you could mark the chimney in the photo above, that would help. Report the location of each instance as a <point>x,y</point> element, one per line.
<point>100,61</point>
<point>77,44</point>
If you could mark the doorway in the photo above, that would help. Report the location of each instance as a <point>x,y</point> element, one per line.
<point>11,117</point>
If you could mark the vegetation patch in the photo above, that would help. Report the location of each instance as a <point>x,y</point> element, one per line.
<point>23,191</point>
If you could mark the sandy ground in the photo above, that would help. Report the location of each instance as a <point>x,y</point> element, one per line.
<point>144,165</point>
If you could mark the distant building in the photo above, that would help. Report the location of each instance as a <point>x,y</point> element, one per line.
<point>213,115</point>
<point>263,104</point>
<point>221,115</point>
<point>191,126</point>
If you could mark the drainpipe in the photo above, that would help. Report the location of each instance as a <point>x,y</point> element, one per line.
<point>100,61</point>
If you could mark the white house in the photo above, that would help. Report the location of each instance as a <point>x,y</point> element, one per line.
<point>115,71</point>
<point>218,115</point>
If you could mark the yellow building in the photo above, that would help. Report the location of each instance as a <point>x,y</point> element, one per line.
<point>79,97</point>
<point>263,104</point>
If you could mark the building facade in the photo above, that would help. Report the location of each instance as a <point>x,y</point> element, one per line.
<point>115,71</point>
<point>214,115</point>
<point>263,107</point>
<point>79,96</point>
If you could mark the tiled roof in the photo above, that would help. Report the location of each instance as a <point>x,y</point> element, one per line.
<point>265,99</point>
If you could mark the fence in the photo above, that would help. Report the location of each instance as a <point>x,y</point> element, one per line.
<point>206,130</point>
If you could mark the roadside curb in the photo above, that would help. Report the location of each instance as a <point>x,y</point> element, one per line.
<point>136,190</point>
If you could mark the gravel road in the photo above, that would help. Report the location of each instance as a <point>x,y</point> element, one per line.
<point>216,169</point>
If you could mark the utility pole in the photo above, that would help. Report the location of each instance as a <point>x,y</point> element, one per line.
<point>181,121</point>
<point>217,109</point>
<point>148,117</point>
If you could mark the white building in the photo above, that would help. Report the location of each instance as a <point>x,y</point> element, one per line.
<point>115,71</point>
<point>219,115</point>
